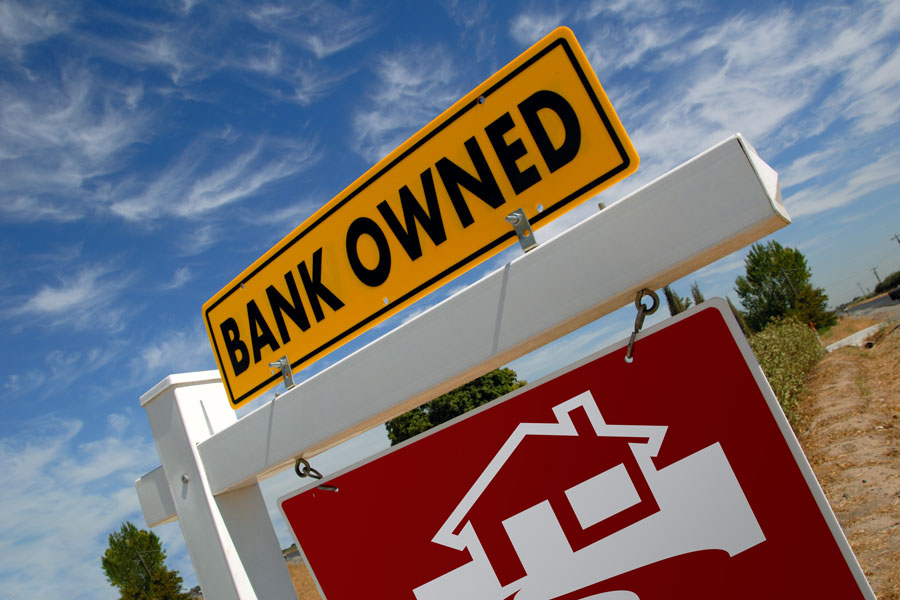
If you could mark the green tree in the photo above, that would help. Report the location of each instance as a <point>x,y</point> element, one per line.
<point>776,284</point>
<point>134,562</point>
<point>676,303</point>
<point>452,404</point>
<point>739,316</point>
<point>697,294</point>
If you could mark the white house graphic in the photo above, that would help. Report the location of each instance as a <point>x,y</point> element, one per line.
<point>701,507</point>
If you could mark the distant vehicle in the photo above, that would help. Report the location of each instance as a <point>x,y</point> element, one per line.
<point>895,293</point>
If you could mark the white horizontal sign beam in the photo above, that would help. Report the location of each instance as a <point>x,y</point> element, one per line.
<point>714,204</point>
<point>155,498</point>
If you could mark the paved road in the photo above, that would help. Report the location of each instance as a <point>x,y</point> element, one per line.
<point>884,301</point>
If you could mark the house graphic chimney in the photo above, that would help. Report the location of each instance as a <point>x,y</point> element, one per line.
<point>694,504</point>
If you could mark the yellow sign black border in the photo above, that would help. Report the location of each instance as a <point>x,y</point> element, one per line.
<point>561,37</point>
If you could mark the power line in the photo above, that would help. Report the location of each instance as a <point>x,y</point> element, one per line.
<point>857,273</point>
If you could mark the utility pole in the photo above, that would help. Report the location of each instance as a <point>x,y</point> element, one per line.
<point>861,288</point>
<point>875,270</point>
<point>896,237</point>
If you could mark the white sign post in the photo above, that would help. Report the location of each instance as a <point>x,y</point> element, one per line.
<point>230,537</point>
<point>718,202</point>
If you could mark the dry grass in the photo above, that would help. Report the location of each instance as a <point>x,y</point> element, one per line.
<point>302,580</point>
<point>851,434</point>
<point>847,326</point>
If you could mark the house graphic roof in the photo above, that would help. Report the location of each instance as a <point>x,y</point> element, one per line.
<point>564,426</point>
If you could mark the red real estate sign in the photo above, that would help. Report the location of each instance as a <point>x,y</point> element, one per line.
<point>673,476</point>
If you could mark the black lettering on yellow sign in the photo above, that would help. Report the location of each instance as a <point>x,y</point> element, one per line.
<point>413,212</point>
<point>379,273</point>
<point>482,185</point>
<point>404,225</point>
<point>261,334</point>
<point>545,99</point>
<point>539,135</point>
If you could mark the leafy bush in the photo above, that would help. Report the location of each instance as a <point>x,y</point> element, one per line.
<point>787,351</point>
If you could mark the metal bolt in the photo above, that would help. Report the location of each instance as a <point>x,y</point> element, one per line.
<point>185,478</point>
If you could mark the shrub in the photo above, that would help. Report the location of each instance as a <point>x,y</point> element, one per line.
<point>787,351</point>
<point>889,283</point>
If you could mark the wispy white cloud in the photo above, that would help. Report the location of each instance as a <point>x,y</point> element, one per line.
<point>414,86</point>
<point>809,166</point>
<point>287,76</point>
<point>83,299</point>
<point>872,89</point>
<point>285,57</point>
<point>57,136</point>
<point>173,351</point>
<point>80,114</point>
<point>846,190</point>
<point>193,184</point>
<point>28,209</point>
<point>60,369</point>
<point>64,492</point>
<point>67,131</point>
<point>23,23</point>
<point>171,51</point>
<point>528,27</point>
<point>729,82</point>
<point>181,276</point>
<point>323,28</point>
<point>199,240</point>
<point>18,383</point>
<point>116,423</point>
<point>780,77</point>
<point>477,21</point>
<point>633,10</point>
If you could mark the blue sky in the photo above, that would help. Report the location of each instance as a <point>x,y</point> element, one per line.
<point>148,155</point>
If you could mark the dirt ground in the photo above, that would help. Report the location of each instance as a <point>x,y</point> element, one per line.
<point>850,431</point>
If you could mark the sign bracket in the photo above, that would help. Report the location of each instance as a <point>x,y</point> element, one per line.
<point>285,365</point>
<point>523,229</point>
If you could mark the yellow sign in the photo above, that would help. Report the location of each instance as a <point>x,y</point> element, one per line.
<point>539,135</point>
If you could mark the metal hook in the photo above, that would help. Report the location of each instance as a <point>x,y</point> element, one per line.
<point>643,311</point>
<point>303,469</point>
